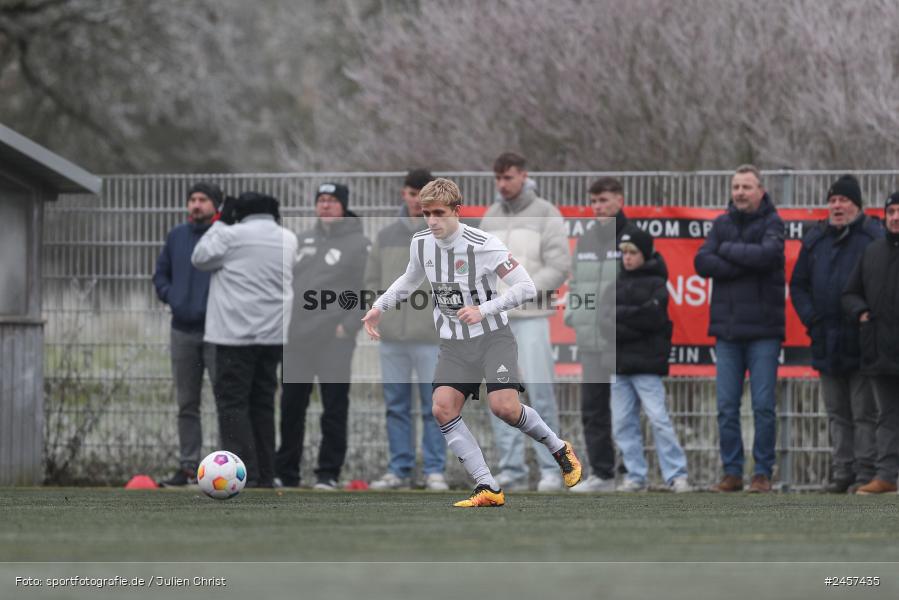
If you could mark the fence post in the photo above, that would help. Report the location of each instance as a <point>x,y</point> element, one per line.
<point>789,182</point>
<point>786,435</point>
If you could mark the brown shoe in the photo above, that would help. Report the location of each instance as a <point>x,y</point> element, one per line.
<point>876,486</point>
<point>855,486</point>
<point>760,484</point>
<point>728,483</point>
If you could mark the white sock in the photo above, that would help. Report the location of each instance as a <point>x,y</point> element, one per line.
<point>532,424</point>
<point>465,447</point>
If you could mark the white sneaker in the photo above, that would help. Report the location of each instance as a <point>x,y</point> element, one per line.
<point>594,484</point>
<point>680,485</point>
<point>389,481</point>
<point>326,485</point>
<point>506,483</point>
<point>630,485</point>
<point>550,482</point>
<point>436,482</point>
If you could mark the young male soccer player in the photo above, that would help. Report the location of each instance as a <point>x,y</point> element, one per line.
<point>462,264</point>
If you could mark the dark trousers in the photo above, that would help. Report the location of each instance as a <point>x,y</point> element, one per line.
<point>886,393</point>
<point>246,378</point>
<point>596,417</point>
<point>191,356</point>
<point>852,417</point>
<point>330,360</point>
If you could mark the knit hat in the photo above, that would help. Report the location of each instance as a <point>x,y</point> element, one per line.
<point>210,190</point>
<point>893,199</point>
<point>847,185</point>
<point>640,239</point>
<point>338,190</point>
<point>254,203</point>
<point>418,178</point>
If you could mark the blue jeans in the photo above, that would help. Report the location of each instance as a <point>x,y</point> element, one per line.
<point>398,360</point>
<point>733,359</point>
<point>537,369</point>
<point>629,392</point>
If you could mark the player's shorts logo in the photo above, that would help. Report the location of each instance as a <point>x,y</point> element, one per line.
<point>502,374</point>
<point>461,267</point>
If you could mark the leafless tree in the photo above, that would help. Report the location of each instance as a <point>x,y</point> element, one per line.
<point>368,84</point>
<point>122,83</point>
<point>647,84</point>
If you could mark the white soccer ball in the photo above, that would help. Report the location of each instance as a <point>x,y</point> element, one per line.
<point>222,475</point>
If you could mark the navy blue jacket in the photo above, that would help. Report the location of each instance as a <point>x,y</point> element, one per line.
<point>826,259</point>
<point>744,255</point>
<point>178,283</point>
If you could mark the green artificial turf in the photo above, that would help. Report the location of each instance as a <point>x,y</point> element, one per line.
<point>55,524</point>
<point>397,546</point>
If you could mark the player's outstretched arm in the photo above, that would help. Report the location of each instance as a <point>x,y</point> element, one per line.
<point>370,322</point>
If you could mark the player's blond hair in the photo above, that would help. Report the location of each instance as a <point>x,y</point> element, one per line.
<point>442,191</point>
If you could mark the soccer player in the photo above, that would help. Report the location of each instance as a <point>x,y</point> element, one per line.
<point>463,264</point>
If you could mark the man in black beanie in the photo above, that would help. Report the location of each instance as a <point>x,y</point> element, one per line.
<point>846,186</point>
<point>870,300</point>
<point>185,290</point>
<point>830,251</point>
<point>322,337</point>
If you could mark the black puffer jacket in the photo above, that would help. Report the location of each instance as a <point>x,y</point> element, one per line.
<point>331,263</point>
<point>642,326</point>
<point>826,260</point>
<point>874,286</point>
<point>744,254</point>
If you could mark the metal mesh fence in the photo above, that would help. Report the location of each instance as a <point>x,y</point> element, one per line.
<point>110,410</point>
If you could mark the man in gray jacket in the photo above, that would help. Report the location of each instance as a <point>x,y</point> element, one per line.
<point>534,232</point>
<point>251,258</point>
<point>408,343</point>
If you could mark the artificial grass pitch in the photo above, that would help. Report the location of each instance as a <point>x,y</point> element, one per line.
<point>90,524</point>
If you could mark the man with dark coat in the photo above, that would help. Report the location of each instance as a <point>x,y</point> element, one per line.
<point>871,299</point>
<point>326,317</point>
<point>185,289</point>
<point>830,250</point>
<point>408,343</point>
<point>744,255</point>
<point>594,270</point>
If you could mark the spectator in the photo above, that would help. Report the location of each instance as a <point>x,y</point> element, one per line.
<point>534,232</point>
<point>829,253</point>
<point>251,259</point>
<point>643,343</point>
<point>744,256</point>
<point>186,289</point>
<point>322,336</point>
<point>871,299</point>
<point>595,269</point>
<point>408,343</point>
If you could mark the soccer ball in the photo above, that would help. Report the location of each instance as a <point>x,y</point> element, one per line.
<point>222,475</point>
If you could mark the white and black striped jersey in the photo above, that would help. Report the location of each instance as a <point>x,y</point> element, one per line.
<point>463,271</point>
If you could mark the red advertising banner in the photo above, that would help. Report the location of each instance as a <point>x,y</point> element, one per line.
<point>678,234</point>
